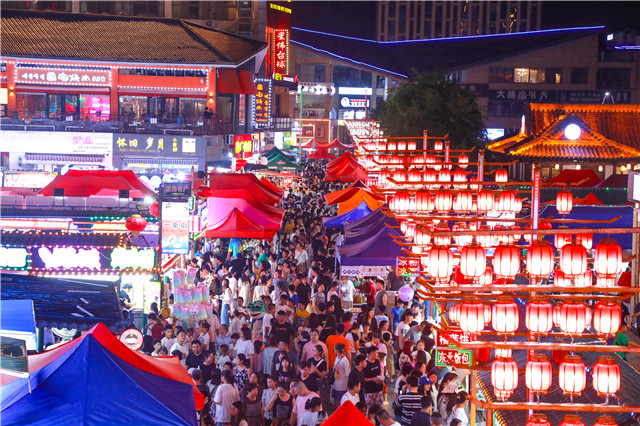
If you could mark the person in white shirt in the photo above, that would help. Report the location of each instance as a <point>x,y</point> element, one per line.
<point>204,335</point>
<point>341,372</point>
<point>181,344</point>
<point>245,345</point>
<point>225,396</point>
<point>302,394</point>
<point>353,394</point>
<point>168,340</point>
<point>266,321</point>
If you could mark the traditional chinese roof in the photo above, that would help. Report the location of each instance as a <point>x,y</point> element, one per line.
<point>551,143</point>
<point>81,36</point>
<point>400,58</point>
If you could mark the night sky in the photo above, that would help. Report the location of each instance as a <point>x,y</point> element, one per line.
<point>358,18</point>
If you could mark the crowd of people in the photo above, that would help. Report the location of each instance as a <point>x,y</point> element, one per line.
<point>283,346</point>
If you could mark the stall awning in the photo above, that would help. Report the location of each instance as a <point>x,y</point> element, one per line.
<point>247,82</point>
<point>228,81</point>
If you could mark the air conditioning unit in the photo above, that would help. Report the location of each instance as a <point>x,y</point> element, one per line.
<point>228,139</point>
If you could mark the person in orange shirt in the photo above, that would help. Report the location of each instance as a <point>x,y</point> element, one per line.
<point>338,338</point>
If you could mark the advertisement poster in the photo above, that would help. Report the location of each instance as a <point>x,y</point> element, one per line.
<point>175,228</point>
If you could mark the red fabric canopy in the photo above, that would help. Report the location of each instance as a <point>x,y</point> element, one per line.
<point>590,199</point>
<point>244,195</point>
<point>271,185</point>
<point>219,209</point>
<point>312,145</point>
<point>344,158</point>
<point>349,173</point>
<point>237,225</point>
<point>320,153</point>
<point>169,367</point>
<point>245,181</point>
<point>579,178</point>
<point>336,144</point>
<point>347,414</point>
<point>84,183</point>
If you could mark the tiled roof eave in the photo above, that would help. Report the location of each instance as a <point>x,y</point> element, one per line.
<point>82,60</point>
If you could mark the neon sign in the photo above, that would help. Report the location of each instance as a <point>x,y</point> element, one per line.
<point>262,103</point>
<point>408,266</point>
<point>281,52</point>
<point>63,76</point>
<point>70,258</point>
<point>243,145</point>
<point>13,257</point>
<point>123,258</point>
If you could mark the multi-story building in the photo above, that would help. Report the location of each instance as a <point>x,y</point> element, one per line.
<point>415,20</point>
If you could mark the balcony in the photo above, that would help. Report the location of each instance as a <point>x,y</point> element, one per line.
<point>212,127</point>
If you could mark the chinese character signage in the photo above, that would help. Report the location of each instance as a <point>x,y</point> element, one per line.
<point>175,228</point>
<point>179,191</point>
<point>451,337</point>
<point>151,145</point>
<point>243,145</point>
<point>281,52</point>
<point>363,271</point>
<point>102,259</point>
<point>408,266</point>
<point>63,76</point>
<point>262,103</point>
<point>449,357</point>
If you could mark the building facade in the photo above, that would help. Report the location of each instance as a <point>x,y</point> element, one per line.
<point>415,20</point>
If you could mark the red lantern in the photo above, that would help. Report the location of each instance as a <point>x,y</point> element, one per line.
<point>463,161</point>
<point>411,146</point>
<point>564,202</point>
<point>606,421</point>
<point>504,377</point>
<point>402,146</point>
<point>441,240</point>
<point>454,314</point>
<point>538,420</point>
<point>431,159</point>
<point>506,261</point>
<point>422,238</point>
<point>383,178</point>
<point>606,376</point>
<point>539,316</point>
<point>502,175</point>
<point>472,317</point>
<point>485,241</point>
<point>410,230</point>
<point>430,175</point>
<point>438,145</point>
<point>400,176</point>
<point>607,318</point>
<point>586,239</point>
<point>154,209</point>
<point>508,202</point>
<point>391,146</point>
<point>505,317</point>
<point>462,240</point>
<point>440,263</point>
<point>460,179</point>
<point>583,280</point>
<point>414,176</point>
<point>573,259</point>
<point>400,201</point>
<point>382,146</point>
<point>486,200</point>
<point>607,259</point>
<point>538,374</point>
<point>136,224</point>
<point>482,354</point>
<point>572,376</point>
<point>464,202</point>
<point>443,201</point>
<point>574,317</point>
<point>540,259</point>
<point>444,176</point>
<point>572,420</point>
<point>605,280</point>
<point>487,277</point>
<point>561,240</point>
<point>560,279</point>
<point>473,261</point>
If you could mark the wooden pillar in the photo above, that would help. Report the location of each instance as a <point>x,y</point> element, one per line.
<point>11,87</point>
<point>211,90</point>
<point>113,95</point>
<point>474,389</point>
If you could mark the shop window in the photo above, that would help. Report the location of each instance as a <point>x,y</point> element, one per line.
<point>164,109</point>
<point>344,76</point>
<point>505,109</point>
<point>380,81</point>
<point>133,108</point>
<point>62,106</point>
<point>500,75</point>
<point>319,73</point>
<point>224,109</point>
<point>192,110</point>
<point>553,76</point>
<point>31,105</point>
<point>613,79</point>
<point>529,75</point>
<point>95,108</point>
<point>579,75</point>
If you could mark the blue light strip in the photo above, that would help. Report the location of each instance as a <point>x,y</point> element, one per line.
<point>627,47</point>
<point>347,59</point>
<point>557,30</point>
<point>334,35</point>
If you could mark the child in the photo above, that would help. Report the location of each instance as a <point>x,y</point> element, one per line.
<point>157,344</point>
<point>232,346</point>
<point>163,351</point>
<point>168,340</point>
<point>224,356</point>
<point>312,411</point>
<point>236,323</point>
<point>391,371</point>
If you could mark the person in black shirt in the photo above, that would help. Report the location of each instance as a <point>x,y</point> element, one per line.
<point>357,373</point>
<point>207,365</point>
<point>281,329</point>
<point>196,375</point>
<point>196,356</point>
<point>373,379</point>
<point>304,291</point>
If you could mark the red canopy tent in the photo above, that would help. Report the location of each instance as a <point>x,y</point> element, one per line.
<point>243,194</point>
<point>271,185</point>
<point>336,144</point>
<point>590,199</point>
<point>346,169</point>
<point>220,208</point>
<point>320,154</point>
<point>85,183</point>
<point>237,225</point>
<point>346,157</point>
<point>578,178</point>
<point>347,414</point>
<point>313,145</point>
<point>245,181</point>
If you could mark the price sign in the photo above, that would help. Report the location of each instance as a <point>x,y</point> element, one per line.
<point>408,266</point>
<point>451,337</point>
<point>447,357</point>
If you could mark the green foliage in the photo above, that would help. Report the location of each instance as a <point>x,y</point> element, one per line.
<point>431,102</point>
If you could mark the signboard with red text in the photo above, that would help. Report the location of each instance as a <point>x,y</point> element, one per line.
<point>281,52</point>
<point>73,76</point>
<point>262,103</point>
<point>408,266</point>
<point>243,145</point>
<point>449,357</point>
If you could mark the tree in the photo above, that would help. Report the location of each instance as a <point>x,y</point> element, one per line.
<point>433,103</point>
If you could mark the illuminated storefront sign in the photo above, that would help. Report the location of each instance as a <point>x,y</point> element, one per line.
<point>14,258</point>
<point>151,145</point>
<point>243,145</point>
<point>123,258</point>
<point>408,266</point>
<point>281,52</point>
<point>69,258</point>
<point>352,114</point>
<point>262,103</point>
<point>454,356</point>
<point>175,228</point>
<point>63,76</point>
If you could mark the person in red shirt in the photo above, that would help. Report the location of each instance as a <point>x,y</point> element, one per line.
<point>155,326</point>
<point>335,339</point>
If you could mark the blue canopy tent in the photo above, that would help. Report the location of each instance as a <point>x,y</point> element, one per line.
<point>375,217</point>
<point>373,227</point>
<point>379,250</point>
<point>338,221</point>
<point>598,213</point>
<point>92,386</point>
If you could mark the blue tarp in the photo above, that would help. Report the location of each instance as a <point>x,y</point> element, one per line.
<point>17,316</point>
<point>338,221</point>
<point>597,213</point>
<point>379,250</point>
<point>91,386</point>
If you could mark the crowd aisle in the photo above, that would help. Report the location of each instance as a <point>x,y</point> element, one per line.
<point>280,348</point>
